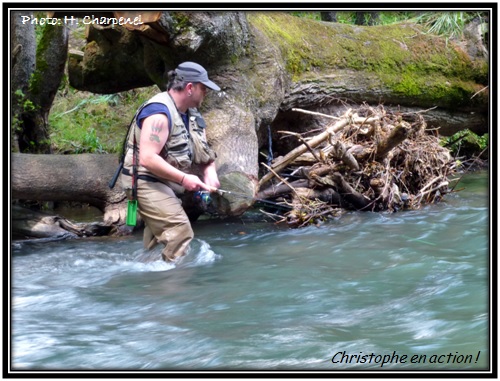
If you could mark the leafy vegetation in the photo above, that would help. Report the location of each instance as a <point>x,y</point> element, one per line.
<point>450,24</point>
<point>82,122</point>
<point>466,143</point>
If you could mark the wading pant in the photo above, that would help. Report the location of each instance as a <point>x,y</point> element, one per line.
<point>165,219</point>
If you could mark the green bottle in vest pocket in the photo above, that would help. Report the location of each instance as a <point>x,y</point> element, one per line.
<point>132,212</point>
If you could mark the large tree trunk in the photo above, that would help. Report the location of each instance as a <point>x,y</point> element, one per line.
<point>36,74</point>
<point>51,55</point>
<point>23,48</point>
<point>315,94</point>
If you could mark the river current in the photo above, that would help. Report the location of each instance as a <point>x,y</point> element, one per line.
<point>408,291</point>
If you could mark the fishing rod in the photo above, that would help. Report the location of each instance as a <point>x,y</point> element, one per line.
<point>205,196</point>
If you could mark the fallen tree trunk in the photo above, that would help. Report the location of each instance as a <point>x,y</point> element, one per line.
<point>83,178</point>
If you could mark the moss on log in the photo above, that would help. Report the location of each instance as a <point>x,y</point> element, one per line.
<point>399,62</point>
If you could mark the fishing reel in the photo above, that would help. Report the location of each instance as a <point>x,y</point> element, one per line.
<point>203,199</point>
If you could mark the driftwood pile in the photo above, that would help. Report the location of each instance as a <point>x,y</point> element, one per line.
<point>368,159</point>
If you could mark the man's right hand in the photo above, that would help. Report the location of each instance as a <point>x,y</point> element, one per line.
<point>193,183</point>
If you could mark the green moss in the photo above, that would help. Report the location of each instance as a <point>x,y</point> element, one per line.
<point>409,63</point>
<point>290,39</point>
<point>45,36</point>
<point>407,86</point>
<point>433,89</point>
<point>181,19</point>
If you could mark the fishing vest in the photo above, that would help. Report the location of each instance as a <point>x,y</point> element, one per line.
<point>183,147</point>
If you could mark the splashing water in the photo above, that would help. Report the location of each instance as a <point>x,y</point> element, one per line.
<point>258,296</point>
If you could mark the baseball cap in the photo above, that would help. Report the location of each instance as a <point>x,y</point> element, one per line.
<point>192,72</point>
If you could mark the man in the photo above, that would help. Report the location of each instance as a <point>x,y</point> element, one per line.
<point>167,145</point>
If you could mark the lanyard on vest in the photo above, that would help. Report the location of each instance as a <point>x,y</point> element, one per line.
<point>134,171</point>
<point>112,182</point>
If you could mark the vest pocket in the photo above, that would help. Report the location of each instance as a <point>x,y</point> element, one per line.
<point>202,153</point>
<point>180,158</point>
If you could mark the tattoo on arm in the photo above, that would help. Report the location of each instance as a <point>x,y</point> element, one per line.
<point>155,131</point>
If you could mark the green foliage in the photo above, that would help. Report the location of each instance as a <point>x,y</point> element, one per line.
<point>181,20</point>
<point>291,36</point>
<point>307,15</point>
<point>408,85</point>
<point>43,42</point>
<point>90,143</point>
<point>23,106</point>
<point>40,28</point>
<point>84,122</point>
<point>450,24</point>
<point>395,17</point>
<point>466,143</point>
<point>346,17</point>
<point>389,17</point>
<point>26,104</point>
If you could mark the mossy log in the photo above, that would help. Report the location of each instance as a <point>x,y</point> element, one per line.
<point>82,178</point>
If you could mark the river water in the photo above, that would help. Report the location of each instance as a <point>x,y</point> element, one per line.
<point>407,291</point>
